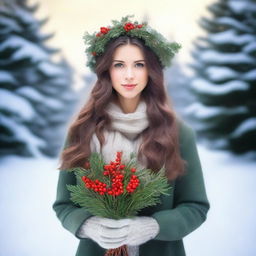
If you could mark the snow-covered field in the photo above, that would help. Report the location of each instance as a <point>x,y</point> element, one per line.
<point>29,226</point>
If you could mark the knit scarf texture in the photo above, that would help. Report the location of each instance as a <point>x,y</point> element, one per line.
<point>123,136</point>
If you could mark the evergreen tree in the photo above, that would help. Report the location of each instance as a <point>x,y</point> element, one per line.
<point>225,77</point>
<point>177,87</point>
<point>36,93</point>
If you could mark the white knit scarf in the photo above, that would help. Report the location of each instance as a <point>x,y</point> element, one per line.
<point>124,136</point>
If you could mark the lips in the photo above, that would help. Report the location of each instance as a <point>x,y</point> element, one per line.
<point>129,85</point>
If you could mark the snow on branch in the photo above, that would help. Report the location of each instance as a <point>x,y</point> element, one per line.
<point>16,104</point>
<point>234,24</point>
<point>231,37</point>
<point>244,127</point>
<point>218,73</point>
<point>7,77</point>
<point>25,49</point>
<point>204,86</point>
<point>251,47</point>
<point>240,6</point>
<point>204,112</point>
<point>31,94</point>
<point>50,69</point>
<point>23,134</point>
<point>211,56</point>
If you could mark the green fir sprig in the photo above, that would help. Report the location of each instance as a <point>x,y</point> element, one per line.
<point>145,191</point>
<point>98,41</point>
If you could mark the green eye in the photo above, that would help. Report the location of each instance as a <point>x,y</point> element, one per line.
<point>117,65</point>
<point>140,64</point>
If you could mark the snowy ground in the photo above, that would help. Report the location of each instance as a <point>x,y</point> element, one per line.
<point>29,226</point>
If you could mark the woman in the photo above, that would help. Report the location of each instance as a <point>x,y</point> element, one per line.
<point>129,111</point>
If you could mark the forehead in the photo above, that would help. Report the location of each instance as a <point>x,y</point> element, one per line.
<point>128,52</point>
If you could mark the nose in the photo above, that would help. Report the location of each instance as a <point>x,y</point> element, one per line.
<point>129,73</point>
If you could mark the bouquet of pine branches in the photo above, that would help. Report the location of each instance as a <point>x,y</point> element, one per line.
<point>117,190</point>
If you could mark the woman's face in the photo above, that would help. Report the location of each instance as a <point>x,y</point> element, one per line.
<point>128,68</point>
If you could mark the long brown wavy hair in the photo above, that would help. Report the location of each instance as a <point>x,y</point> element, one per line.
<point>160,141</point>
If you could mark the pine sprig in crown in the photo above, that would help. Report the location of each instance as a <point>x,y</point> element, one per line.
<point>154,40</point>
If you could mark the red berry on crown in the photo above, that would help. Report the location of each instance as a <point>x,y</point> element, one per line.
<point>128,26</point>
<point>104,30</point>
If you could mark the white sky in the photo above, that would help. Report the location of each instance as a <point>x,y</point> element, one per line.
<point>176,20</point>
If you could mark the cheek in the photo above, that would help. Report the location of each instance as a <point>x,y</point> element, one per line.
<point>115,76</point>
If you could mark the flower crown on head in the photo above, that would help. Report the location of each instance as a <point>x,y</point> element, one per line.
<point>154,40</point>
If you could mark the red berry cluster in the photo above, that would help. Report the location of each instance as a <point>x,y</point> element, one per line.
<point>96,185</point>
<point>103,31</point>
<point>129,26</point>
<point>133,183</point>
<point>115,172</point>
<point>117,187</point>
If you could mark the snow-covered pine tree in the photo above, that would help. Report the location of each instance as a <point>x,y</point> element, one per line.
<point>36,92</point>
<point>225,77</point>
<point>177,87</point>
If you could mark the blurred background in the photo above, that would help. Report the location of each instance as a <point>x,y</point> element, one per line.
<point>44,81</point>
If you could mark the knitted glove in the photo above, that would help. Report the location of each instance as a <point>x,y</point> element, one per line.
<point>141,229</point>
<point>108,233</point>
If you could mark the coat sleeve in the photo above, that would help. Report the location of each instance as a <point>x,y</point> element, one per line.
<point>71,216</point>
<point>190,200</point>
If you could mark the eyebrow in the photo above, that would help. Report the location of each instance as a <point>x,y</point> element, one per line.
<point>134,61</point>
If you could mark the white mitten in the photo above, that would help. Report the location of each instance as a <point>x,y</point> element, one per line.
<point>108,233</point>
<point>141,229</point>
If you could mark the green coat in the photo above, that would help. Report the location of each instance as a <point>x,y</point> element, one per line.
<point>178,215</point>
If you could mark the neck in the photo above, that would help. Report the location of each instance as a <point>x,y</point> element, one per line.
<point>128,105</point>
